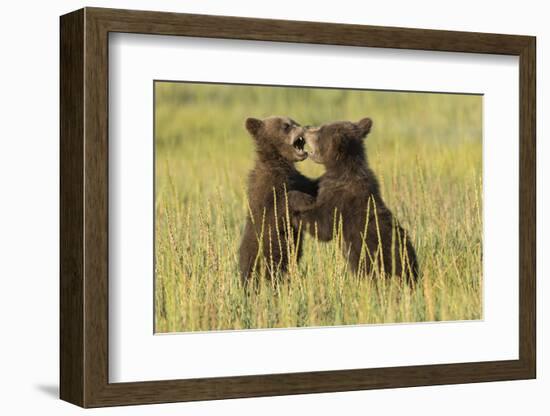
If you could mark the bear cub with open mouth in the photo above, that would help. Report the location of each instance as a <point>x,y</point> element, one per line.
<point>279,144</point>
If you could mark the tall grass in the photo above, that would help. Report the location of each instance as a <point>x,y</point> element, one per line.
<point>426,152</point>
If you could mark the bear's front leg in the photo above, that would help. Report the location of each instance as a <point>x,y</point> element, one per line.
<point>300,201</point>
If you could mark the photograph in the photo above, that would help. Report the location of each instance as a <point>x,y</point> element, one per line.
<point>256,203</point>
<point>299,206</point>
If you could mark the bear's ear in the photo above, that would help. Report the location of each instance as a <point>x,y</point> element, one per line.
<point>365,124</point>
<point>253,125</point>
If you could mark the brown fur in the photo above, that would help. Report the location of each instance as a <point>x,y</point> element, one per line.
<point>279,144</point>
<point>345,192</point>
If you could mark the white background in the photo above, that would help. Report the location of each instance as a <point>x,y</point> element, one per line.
<point>29,209</point>
<point>135,354</point>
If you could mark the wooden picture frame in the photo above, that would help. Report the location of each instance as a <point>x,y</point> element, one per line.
<point>84,207</point>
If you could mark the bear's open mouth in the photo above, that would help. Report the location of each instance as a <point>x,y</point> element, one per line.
<point>299,143</point>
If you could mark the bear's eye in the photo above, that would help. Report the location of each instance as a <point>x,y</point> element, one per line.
<point>286,127</point>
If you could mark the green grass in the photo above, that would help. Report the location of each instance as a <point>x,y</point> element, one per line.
<point>426,152</point>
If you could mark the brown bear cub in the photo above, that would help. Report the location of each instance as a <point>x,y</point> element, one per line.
<point>349,192</point>
<point>269,234</point>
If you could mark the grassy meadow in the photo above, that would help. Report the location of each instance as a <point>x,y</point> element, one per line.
<point>426,150</point>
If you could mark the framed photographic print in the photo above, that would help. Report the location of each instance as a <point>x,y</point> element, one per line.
<point>256,207</point>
